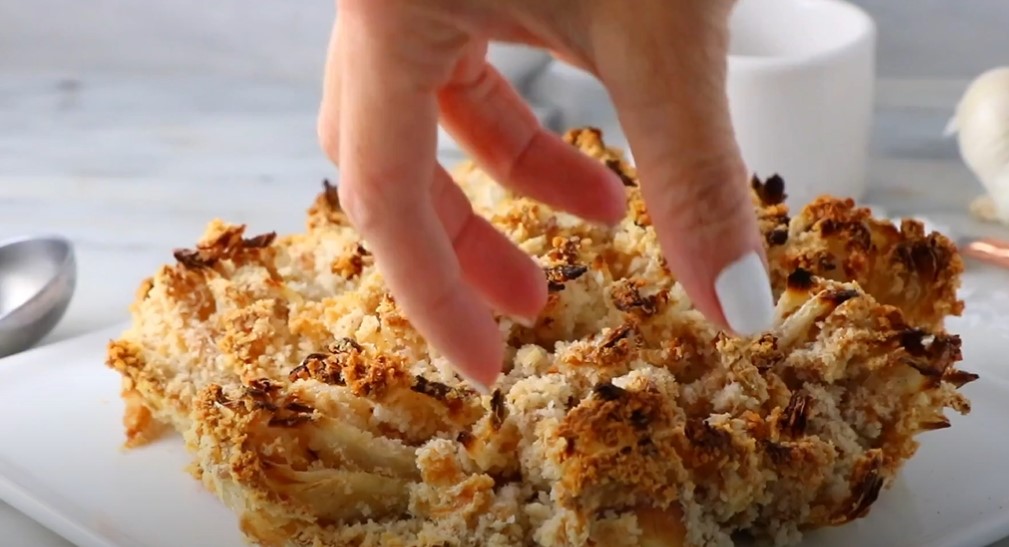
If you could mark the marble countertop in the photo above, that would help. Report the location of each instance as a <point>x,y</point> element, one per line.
<point>130,168</point>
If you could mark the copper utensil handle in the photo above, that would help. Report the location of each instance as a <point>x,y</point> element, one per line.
<point>988,250</point>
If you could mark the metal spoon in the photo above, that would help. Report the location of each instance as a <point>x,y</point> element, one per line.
<point>37,280</point>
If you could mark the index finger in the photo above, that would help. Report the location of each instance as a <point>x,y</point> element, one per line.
<point>388,137</point>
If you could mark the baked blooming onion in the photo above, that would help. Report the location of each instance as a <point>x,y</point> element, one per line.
<point>315,411</point>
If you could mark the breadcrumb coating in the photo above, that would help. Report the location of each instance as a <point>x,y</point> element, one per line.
<point>316,412</point>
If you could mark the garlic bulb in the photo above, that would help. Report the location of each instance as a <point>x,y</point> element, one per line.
<point>981,121</point>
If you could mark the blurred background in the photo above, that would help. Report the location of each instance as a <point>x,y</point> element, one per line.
<point>75,76</point>
<point>127,125</point>
<point>285,41</point>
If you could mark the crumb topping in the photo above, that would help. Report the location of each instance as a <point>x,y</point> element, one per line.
<point>316,412</point>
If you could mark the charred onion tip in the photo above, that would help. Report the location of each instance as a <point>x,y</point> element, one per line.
<point>614,165</point>
<point>839,297</point>
<point>778,236</point>
<point>961,378</point>
<point>608,392</point>
<point>771,191</point>
<point>558,275</point>
<point>800,279</point>
<point>498,409</point>
<point>618,334</point>
<point>435,390</point>
<point>796,414</point>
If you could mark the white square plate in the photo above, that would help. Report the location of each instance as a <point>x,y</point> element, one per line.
<point>61,462</point>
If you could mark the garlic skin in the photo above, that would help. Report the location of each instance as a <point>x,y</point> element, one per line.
<point>981,122</point>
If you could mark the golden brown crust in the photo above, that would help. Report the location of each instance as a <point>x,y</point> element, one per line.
<point>326,210</point>
<point>833,238</point>
<point>315,411</point>
<point>222,242</point>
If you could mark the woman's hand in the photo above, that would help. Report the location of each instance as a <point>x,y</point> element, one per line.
<point>397,67</point>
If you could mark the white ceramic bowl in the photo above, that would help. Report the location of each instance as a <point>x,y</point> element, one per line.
<point>580,100</point>
<point>800,85</point>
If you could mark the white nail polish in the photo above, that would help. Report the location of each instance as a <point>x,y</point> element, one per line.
<point>524,321</point>
<point>478,386</point>
<point>744,291</point>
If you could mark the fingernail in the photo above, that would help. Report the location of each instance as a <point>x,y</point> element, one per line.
<point>524,321</point>
<point>482,389</point>
<point>616,201</point>
<point>744,292</point>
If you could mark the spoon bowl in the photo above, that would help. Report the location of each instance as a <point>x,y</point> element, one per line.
<point>38,276</point>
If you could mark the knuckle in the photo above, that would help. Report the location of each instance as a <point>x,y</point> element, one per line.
<point>329,138</point>
<point>443,300</point>
<point>362,204</point>
<point>710,200</point>
<point>371,204</point>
